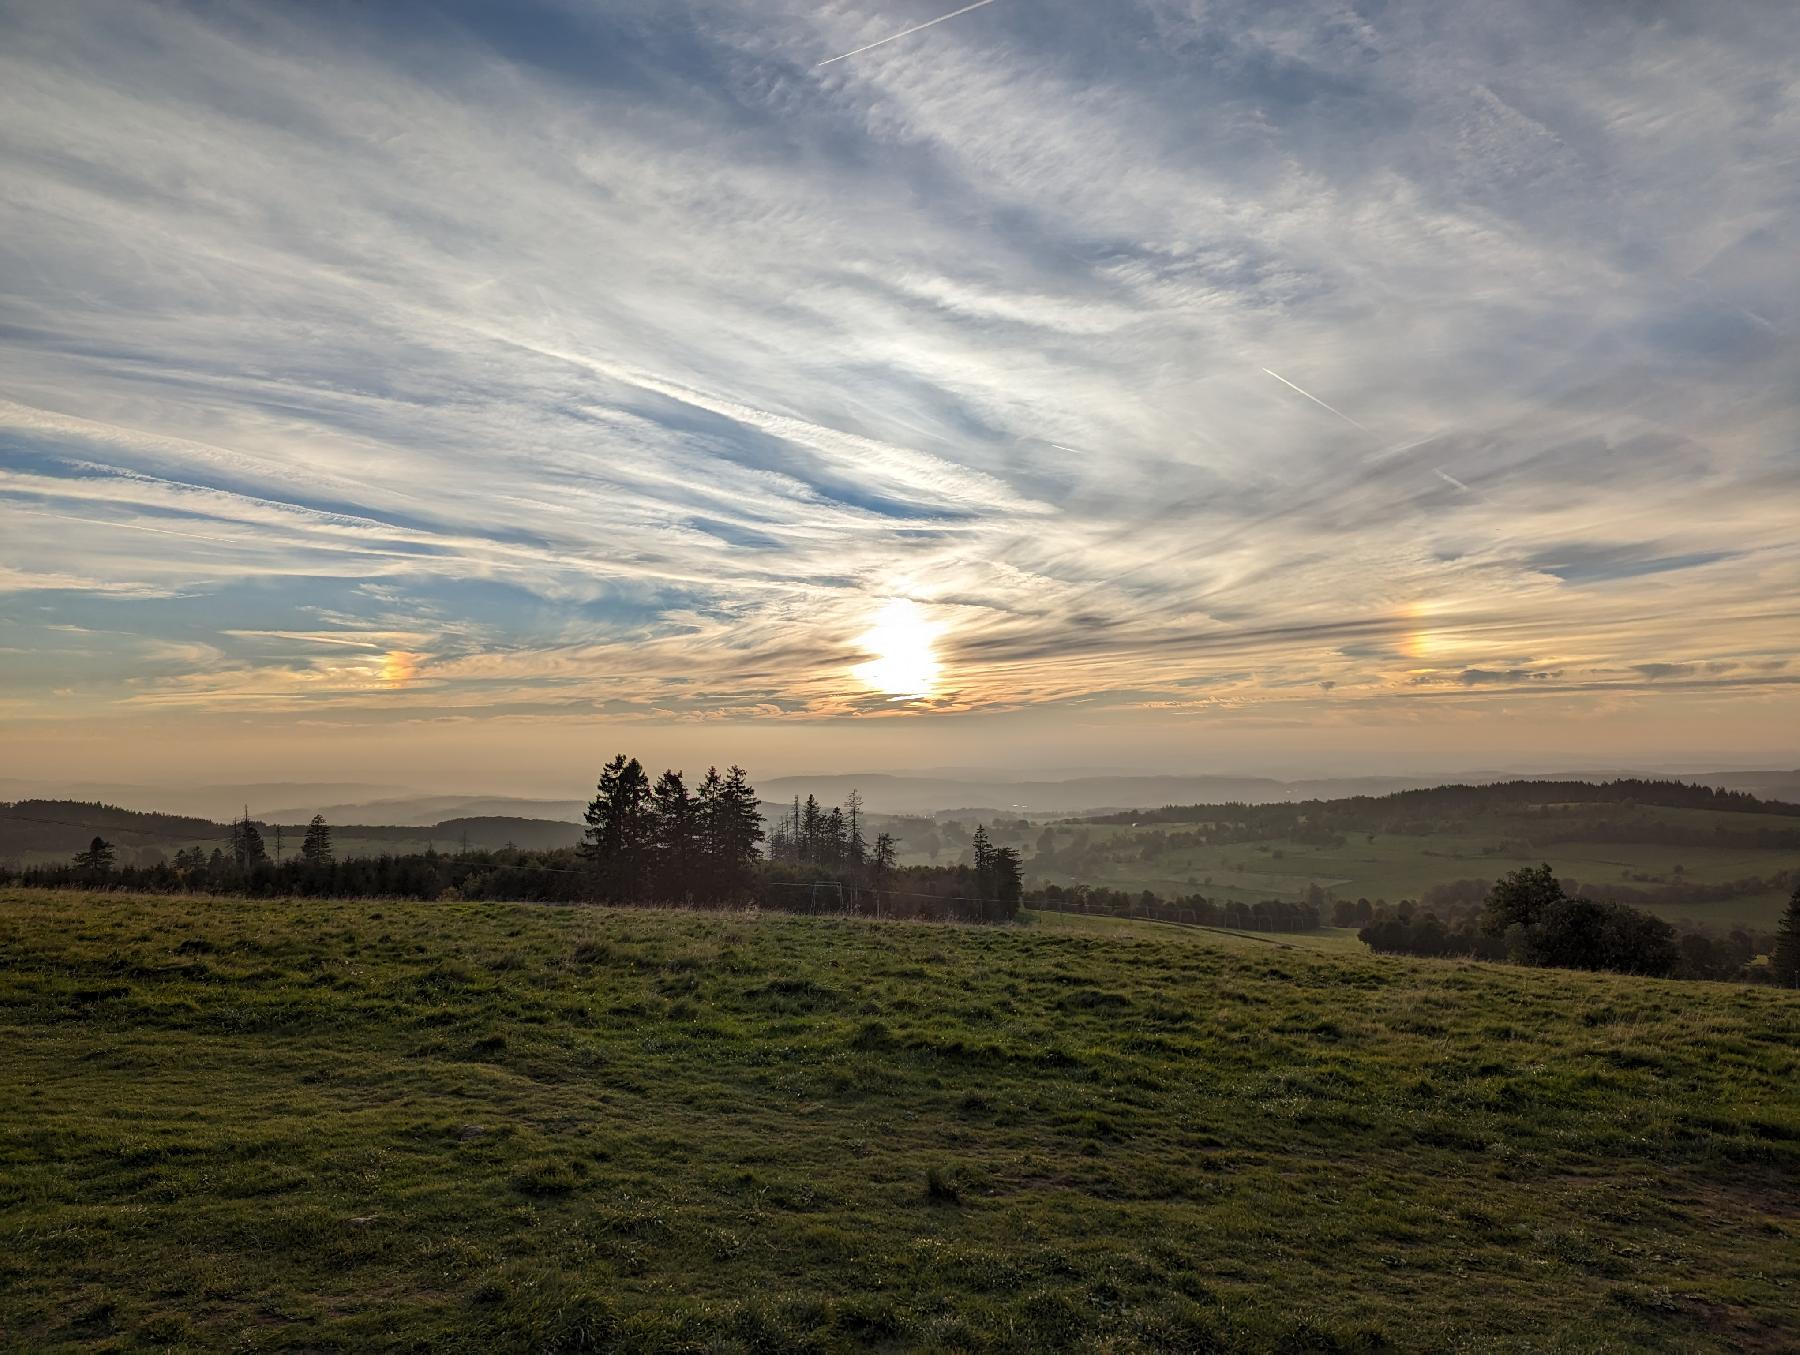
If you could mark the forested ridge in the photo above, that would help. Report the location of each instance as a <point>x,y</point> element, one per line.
<point>1391,813</point>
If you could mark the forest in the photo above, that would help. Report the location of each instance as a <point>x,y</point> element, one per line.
<point>1436,804</point>
<point>645,842</point>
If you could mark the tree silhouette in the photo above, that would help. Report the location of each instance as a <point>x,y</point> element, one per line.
<point>247,850</point>
<point>1785,962</point>
<point>855,847</point>
<point>736,835</point>
<point>1006,884</point>
<point>983,850</point>
<point>675,832</point>
<point>882,863</point>
<point>97,860</point>
<point>618,842</point>
<point>1521,898</point>
<point>315,848</point>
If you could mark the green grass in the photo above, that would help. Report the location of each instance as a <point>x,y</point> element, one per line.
<point>1404,866</point>
<point>312,1125</point>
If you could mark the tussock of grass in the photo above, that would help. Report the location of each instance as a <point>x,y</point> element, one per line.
<point>299,1126</point>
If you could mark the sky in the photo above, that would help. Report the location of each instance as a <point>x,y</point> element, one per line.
<point>452,393</point>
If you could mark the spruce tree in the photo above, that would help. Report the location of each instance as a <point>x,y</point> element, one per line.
<point>709,834</point>
<point>983,849</point>
<point>885,855</point>
<point>1785,962</point>
<point>315,848</point>
<point>617,845</point>
<point>247,850</point>
<point>675,836</point>
<point>836,838</point>
<point>856,847</point>
<point>740,830</point>
<point>1007,883</point>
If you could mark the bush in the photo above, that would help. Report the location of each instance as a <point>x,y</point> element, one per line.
<point>1542,925</point>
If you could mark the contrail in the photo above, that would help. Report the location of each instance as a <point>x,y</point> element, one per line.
<point>1450,479</point>
<point>1320,403</point>
<point>907,34</point>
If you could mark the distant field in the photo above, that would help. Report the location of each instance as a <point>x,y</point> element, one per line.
<point>1392,866</point>
<point>1404,866</point>
<point>474,1127</point>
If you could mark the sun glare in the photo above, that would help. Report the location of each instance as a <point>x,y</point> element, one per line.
<point>905,663</point>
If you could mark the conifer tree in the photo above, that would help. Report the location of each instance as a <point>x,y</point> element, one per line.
<point>247,850</point>
<point>675,839</point>
<point>856,848</point>
<point>836,838</point>
<point>709,834</point>
<point>983,849</point>
<point>1785,962</point>
<point>617,845</point>
<point>315,847</point>
<point>1005,881</point>
<point>885,855</point>
<point>740,830</point>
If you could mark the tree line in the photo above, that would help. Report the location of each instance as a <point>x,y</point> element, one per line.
<point>1265,915</point>
<point>1529,917</point>
<point>645,843</point>
<point>1391,812</point>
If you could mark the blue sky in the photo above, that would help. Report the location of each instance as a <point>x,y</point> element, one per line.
<point>1319,385</point>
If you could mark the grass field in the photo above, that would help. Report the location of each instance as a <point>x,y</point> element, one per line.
<point>311,1125</point>
<point>1396,867</point>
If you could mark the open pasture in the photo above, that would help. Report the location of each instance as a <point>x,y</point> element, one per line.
<point>311,1125</point>
<point>1396,866</point>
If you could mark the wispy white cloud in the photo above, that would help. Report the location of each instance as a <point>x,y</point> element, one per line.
<point>631,362</point>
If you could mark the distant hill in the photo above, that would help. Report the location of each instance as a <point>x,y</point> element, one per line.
<point>1473,799</point>
<point>44,828</point>
<point>896,794</point>
<point>424,811</point>
<point>1079,795</point>
<point>500,831</point>
<point>949,792</point>
<point>52,830</point>
<point>219,801</point>
<point>63,827</point>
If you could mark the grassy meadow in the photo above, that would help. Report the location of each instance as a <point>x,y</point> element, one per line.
<point>345,1126</point>
<point>1399,866</point>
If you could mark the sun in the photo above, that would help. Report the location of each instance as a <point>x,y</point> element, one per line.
<point>905,664</point>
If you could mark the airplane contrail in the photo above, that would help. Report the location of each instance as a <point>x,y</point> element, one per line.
<point>1320,403</point>
<point>907,34</point>
<point>1450,479</point>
